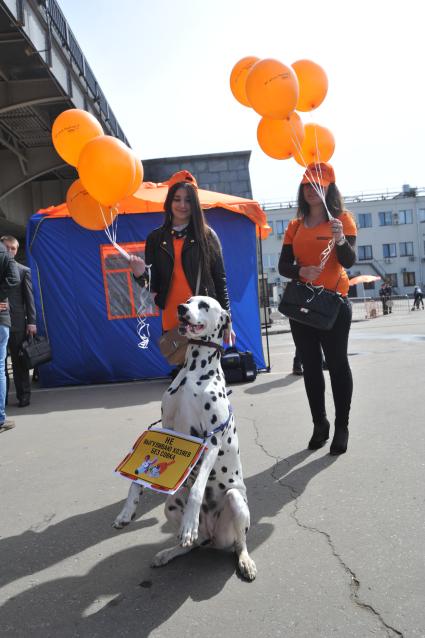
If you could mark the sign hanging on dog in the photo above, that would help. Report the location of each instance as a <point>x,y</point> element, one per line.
<point>162,459</point>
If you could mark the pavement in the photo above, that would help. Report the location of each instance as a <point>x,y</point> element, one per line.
<point>338,541</point>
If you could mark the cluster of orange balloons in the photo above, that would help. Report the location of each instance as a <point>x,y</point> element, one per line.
<point>108,169</point>
<point>276,91</point>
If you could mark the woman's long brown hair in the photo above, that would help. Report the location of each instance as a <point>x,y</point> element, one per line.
<point>333,198</point>
<point>198,224</point>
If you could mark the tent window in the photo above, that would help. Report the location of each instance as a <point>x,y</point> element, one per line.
<point>122,293</point>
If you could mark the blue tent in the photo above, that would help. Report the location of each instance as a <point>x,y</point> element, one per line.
<point>86,299</point>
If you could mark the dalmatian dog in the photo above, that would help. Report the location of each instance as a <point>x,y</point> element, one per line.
<point>211,507</point>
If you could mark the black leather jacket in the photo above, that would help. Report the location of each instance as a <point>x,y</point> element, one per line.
<point>159,252</point>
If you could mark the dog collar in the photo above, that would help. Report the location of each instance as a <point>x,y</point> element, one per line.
<point>209,344</point>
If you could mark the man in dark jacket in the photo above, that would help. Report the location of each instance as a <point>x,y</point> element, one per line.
<point>22,314</point>
<point>9,278</point>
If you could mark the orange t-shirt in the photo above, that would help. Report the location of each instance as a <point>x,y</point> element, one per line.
<point>309,243</point>
<point>179,291</point>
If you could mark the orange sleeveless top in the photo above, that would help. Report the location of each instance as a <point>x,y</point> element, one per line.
<point>179,291</point>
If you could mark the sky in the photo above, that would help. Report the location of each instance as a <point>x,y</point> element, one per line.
<point>164,67</point>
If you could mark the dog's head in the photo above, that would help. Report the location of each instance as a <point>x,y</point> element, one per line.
<point>202,318</point>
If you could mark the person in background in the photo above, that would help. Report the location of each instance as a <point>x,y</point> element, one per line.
<point>9,278</point>
<point>385,293</point>
<point>305,239</point>
<point>23,324</point>
<point>418,298</point>
<point>180,250</point>
<point>297,366</point>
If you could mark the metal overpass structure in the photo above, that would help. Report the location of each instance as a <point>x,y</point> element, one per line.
<point>43,72</point>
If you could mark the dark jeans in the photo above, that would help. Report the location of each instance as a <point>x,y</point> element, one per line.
<point>21,375</point>
<point>309,343</point>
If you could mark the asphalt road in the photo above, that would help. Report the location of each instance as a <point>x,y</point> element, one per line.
<point>338,541</point>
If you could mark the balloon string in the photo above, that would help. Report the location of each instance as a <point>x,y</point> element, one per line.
<point>318,188</point>
<point>111,228</point>
<point>326,253</point>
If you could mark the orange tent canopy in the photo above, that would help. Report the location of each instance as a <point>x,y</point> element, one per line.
<point>150,198</point>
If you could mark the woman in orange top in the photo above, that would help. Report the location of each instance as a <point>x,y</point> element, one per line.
<point>182,250</point>
<point>305,239</point>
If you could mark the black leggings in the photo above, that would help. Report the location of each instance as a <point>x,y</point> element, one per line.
<point>309,342</point>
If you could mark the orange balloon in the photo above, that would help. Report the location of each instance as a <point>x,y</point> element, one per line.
<point>238,78</point>
<point>313,83</point>
<point>272,89</point>
<point>85,210</point>
<point>107,169</point>
<point>281,139</point>
<point>71,131</point>
<point>318,145</point>
<point>138,175</point>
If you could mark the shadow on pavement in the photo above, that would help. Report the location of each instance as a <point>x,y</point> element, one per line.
<point>281,382</point>
<point>90,397</point>
<point>122,593</point>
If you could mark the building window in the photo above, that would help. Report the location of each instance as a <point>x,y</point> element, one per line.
<point>269,261</point>
<point>409,279</point>
<point>392,279</point>
<point>405,216</point>
<point>365,252</point>
<point>369,285</point>
<point>389,250</point>
<point>421,214</point>
<point>364,220</point>
<point>406,248</point>
<point>281,225</point>
<point>271,224</point>
<point>386,218</point>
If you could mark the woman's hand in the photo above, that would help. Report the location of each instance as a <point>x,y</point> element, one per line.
<point>137,265</point>
<point>229,337</point>
<point>310,273</point>
<point>337,230</point>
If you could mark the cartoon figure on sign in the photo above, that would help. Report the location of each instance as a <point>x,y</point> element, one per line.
<point>158,469</point>
<point>144,467</point>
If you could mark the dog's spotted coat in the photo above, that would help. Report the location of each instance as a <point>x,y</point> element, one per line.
<point>211,507</point>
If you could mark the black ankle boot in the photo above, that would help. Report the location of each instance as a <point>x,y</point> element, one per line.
<point>320,434</point>
<point>340,441</point>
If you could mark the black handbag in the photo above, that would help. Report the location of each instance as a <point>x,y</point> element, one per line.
<point>35,351</point>
<point>238,366</point>
<point>313,306</point>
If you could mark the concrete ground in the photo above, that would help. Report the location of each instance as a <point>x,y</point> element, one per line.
<point>338,541</point>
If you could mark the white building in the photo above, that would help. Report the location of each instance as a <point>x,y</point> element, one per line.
<point>390,240</point>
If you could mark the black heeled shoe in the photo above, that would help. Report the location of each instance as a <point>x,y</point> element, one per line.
<point>339,442</point>
<point>320,435</point>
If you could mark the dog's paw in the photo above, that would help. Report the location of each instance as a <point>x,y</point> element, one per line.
<point>188,533</point>
<point>247,567</point>
<point>161,558</point>
<point>123,519</point>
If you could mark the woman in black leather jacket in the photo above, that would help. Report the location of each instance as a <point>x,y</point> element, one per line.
<point>179,252</point>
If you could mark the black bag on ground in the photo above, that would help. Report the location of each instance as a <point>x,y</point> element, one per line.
<point>311,305</point>
<point>35,351</point>
<point>238,366</point>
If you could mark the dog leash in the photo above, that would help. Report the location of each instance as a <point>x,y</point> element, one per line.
<point>219,428</point>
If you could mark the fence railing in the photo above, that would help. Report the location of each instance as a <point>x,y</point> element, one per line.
<point>363,308</point>
<point>61,27</point>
